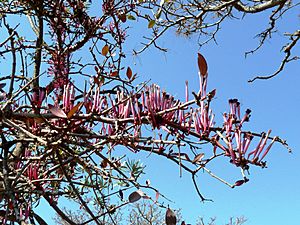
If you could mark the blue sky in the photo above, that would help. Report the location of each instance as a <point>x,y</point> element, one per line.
<point>273,194</point>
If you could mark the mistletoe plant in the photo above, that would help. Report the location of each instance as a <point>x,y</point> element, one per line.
<point>69,104</point>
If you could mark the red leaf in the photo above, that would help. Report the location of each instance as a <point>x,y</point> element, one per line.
<point>96,80</point>
<point>74,109</point>
<point>38,120</point>
<point>148,182</point>
<point>198,157</point>
<point>145,197</point>
<point>170,217</point>
<point>202,65</point>
<point>57,111</point>
<point>129,73</point>
<point>122,17</point>
<point>121,194</point>
<point>104,163</point>
<point>135,196</point>
<point>239,182</point>
<point>114,74</point>
<point>156,196</point>
<point>105,50</point>
<point>212,94</point>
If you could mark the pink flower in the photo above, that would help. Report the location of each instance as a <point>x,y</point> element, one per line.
<point>38,96</point>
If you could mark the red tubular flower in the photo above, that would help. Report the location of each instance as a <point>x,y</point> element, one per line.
<point>256,149</point>
<point>68,97</point>
<point>29,171</point>
<point>246,117</point>
<point>196,123</point>
<point>205,120</point>
<point>95,101</point>
<point>38,97</point>
<point>190,119</point>
<point>143,100</point>
<point>154,98</point>
<point>231,150</point>
<point>21,212</point>
<point>147,101</point>
<point>110,130</point>
<point>180,117</point>
<point>132,110</point>
<point>239,143</point>
<point>262,145</point>
<point>158,97</point>
<point>203,85</point>
<point>231,105</point>
<point>113,106</point>
<point>27,211</point>
<point>126,110</point>
<point>247,138</point>
<point>164,100</point>
<point>137,131</point>
<point>235,108</point>
<point>138,111</point>
<point>98,103</point>
<point>35,171</point>
<point>228,122</point>
<point>186,91</point>
<point>120,104</point>
<point>267,149</point>
<point>87,103</point>
<point>102,105</point>
<point>166,129</point>
<point>217,143</point>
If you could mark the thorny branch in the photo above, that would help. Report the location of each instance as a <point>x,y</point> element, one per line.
<point>205,19</point>
<point>288,57</point>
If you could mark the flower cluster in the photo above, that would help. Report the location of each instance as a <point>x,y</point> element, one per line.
<point>38,97</point>
<point>156,107</point>
<point>68,97</point>
<point>108,7</point>
<point>59,58</point>
<point>117,31</point>
<point>237,142</point>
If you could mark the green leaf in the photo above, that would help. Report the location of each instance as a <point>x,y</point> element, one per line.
<point>151,24</point>
<point>131,17</point>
